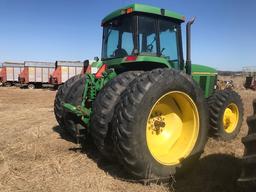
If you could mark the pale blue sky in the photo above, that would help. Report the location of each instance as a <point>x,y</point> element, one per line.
<point>223,35</point>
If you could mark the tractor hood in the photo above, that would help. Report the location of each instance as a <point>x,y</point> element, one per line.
<point>203,70</point>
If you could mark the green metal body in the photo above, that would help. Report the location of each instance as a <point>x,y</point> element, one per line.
<point>92,87</point>
<point>205,76</point>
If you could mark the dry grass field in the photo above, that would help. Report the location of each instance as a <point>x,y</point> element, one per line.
<point>36,156</point>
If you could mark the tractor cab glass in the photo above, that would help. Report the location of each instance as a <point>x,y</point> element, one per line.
<point>147,36</point>
<point>118,38</point>
<point>141,35</point>
<point>168,41</point>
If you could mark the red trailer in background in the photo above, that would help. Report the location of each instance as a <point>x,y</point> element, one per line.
<point>67,69</point>
<point>10,73</point>
<point>36,74</point>
<point>1,83</point>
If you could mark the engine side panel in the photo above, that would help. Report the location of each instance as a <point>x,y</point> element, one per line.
<point>206,77</point>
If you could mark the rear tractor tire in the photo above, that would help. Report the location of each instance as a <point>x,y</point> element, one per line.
<point>160,124</point>
<point>59,99</point>
<point>248,177</point>
<point>226,114</point>
<point>103,111</point>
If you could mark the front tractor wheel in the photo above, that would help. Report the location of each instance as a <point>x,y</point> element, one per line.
<point>226,114</point>
<point>161,124</point>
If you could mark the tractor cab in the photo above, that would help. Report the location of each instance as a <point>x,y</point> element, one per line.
<point>141,33</point>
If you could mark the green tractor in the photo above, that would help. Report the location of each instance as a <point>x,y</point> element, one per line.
<point>141,103</point>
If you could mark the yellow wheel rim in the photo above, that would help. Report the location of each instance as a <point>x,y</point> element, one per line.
<point>172,128</point>
<point>230,118</point>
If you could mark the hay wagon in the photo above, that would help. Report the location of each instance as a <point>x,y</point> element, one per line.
<point>64,70</point>
<point>9,75</point>
<point>36,74</point>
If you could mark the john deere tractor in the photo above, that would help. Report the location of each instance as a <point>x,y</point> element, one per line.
<point>141,103</point>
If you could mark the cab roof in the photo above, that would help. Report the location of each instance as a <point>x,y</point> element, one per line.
<point>143,9</point>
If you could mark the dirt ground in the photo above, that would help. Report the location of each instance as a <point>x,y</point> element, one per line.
<point>36,156</point>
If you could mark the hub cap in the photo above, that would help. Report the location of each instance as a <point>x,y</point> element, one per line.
<point>172,128</point>
<point>230,118</point>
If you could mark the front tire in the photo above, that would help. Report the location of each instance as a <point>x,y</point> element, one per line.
<point>226,114</point>
<point>161,124</point>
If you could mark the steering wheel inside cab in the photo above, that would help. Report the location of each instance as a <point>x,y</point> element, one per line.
<point>120,52</point>
<point>149,48</point>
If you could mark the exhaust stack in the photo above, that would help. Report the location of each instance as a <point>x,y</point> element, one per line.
<point>188,38</point>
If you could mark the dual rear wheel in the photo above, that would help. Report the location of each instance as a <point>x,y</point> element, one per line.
<point>172,125</point>
<point>152,121</point>
<point>160,124</point>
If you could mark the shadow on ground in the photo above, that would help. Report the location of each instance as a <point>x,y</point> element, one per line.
<point>213,173</point>
<point>112,167</point>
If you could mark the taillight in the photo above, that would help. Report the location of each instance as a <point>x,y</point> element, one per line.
<point>131,58</point>
<point>100,71</point>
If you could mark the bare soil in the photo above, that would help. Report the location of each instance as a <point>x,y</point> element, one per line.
<point>35,155</point>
